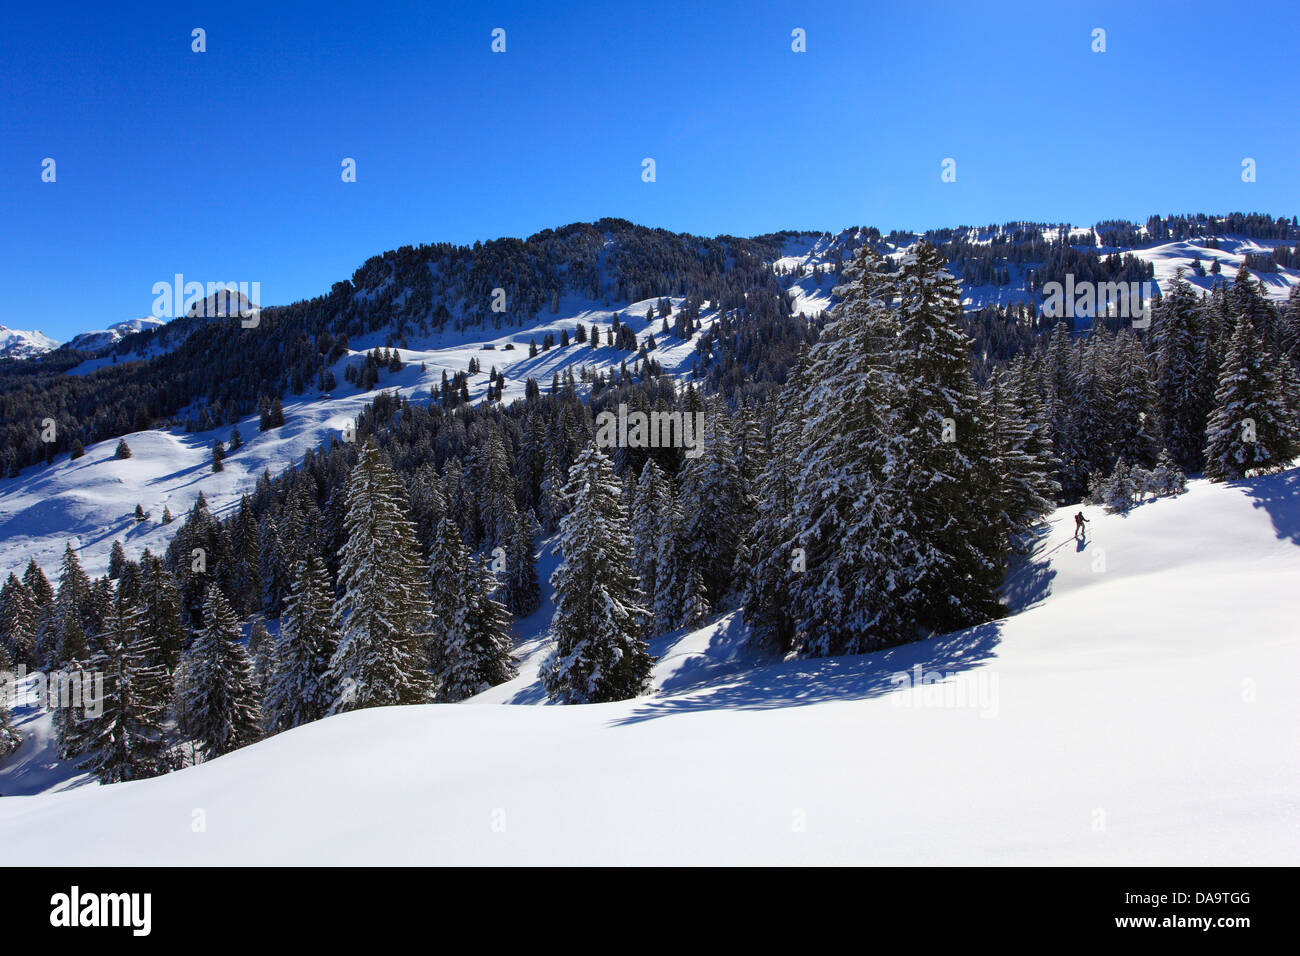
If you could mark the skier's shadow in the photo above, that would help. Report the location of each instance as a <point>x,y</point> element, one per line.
<point>1080,543</point>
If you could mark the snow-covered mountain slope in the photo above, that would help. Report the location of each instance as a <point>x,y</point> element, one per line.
<point>807,251</point>
<point>1231,254</point>
<point>91,500</point>
<point>103,338</point>
<point>1138,708</point>
<point>15,343</point>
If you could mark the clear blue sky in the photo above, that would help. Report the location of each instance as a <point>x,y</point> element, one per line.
<point>225,165</point>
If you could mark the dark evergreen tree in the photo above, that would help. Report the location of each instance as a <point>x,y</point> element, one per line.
<point>1252,428</point>
<point>383,612</point>
<point>523,590</point>
<point>299,690</point>
<point>216,695</point>
<point>600,654</point>
<point>125,736</point>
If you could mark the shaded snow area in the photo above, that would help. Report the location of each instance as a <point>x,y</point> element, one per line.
<point>1138,707</point>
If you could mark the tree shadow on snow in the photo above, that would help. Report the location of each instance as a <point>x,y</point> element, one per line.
<point>1279,495</point>
<point>818,680</point>
<point>1029,579</point>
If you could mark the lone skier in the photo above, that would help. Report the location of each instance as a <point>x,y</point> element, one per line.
<point>1079,522</point>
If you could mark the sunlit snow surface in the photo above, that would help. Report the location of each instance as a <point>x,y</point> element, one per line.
<point>1139,708</point>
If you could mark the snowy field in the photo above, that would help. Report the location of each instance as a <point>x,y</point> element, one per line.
<point>1138,708</point>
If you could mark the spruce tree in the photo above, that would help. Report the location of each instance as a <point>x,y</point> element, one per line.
<point>116,560</point>
<point>10,738</point>
<point>816,586</point>
<point>1017,482</point>
<point>162,623</point>
<point>42,594</point>
<point>709,496</point>
<point>299,690</point>
<point>261,649</point>
<point>1183,390</point>
<point>1137,416</point>
<point>71,612</point>
<point>216,695</point>
<point>475,650</point>
<point>18,621</point>
<point>522,589</point>
<point>649,508</point>
<point>124,740</point>
<point>952,573</point>
<point>674,576</point>
<point>600,655</point>
<point>1167,480</point>
<point>383,612</point>
<point>271,566</point>
<point>1252,428</point>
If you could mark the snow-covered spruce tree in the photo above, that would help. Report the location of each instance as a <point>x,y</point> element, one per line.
<point>448,558</point>
<point>43,636</point>
<point>1137,416</point>
<point>216,695</point>
<point>523,590</point>
<point>1184,392</point>
<point>10,739</point>
<point>649,507</point>
<point>18,621</point>
<point>271,566</point>
<point>1024,378</point>
<point>674,581</point>
<point>124,741</point>
<point>1119,492</point>
<point>496,490</point>
<point>469,650</point>
<point>1167,479</point>
<point>162,622</point>
<point>383,612</point>
<point>551,506</point>
<point>819,584</point>
<point>952,566</point>
<point>261,649</point>
<point>712,531</point>
<point>1019,483</point>
<point>71,611</point>
<point>1289,327</point>
<point>1252,428</point>
<point>1096,403</point>
<point>116,560</point>
<point>299,690</point>
<point>773,555</point>
<point>476,654</point>
<point>1060,386</point>
<point>695,607</point>
<point>600,655</point>
<point>1247,299</point>
<point>428,504</point>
